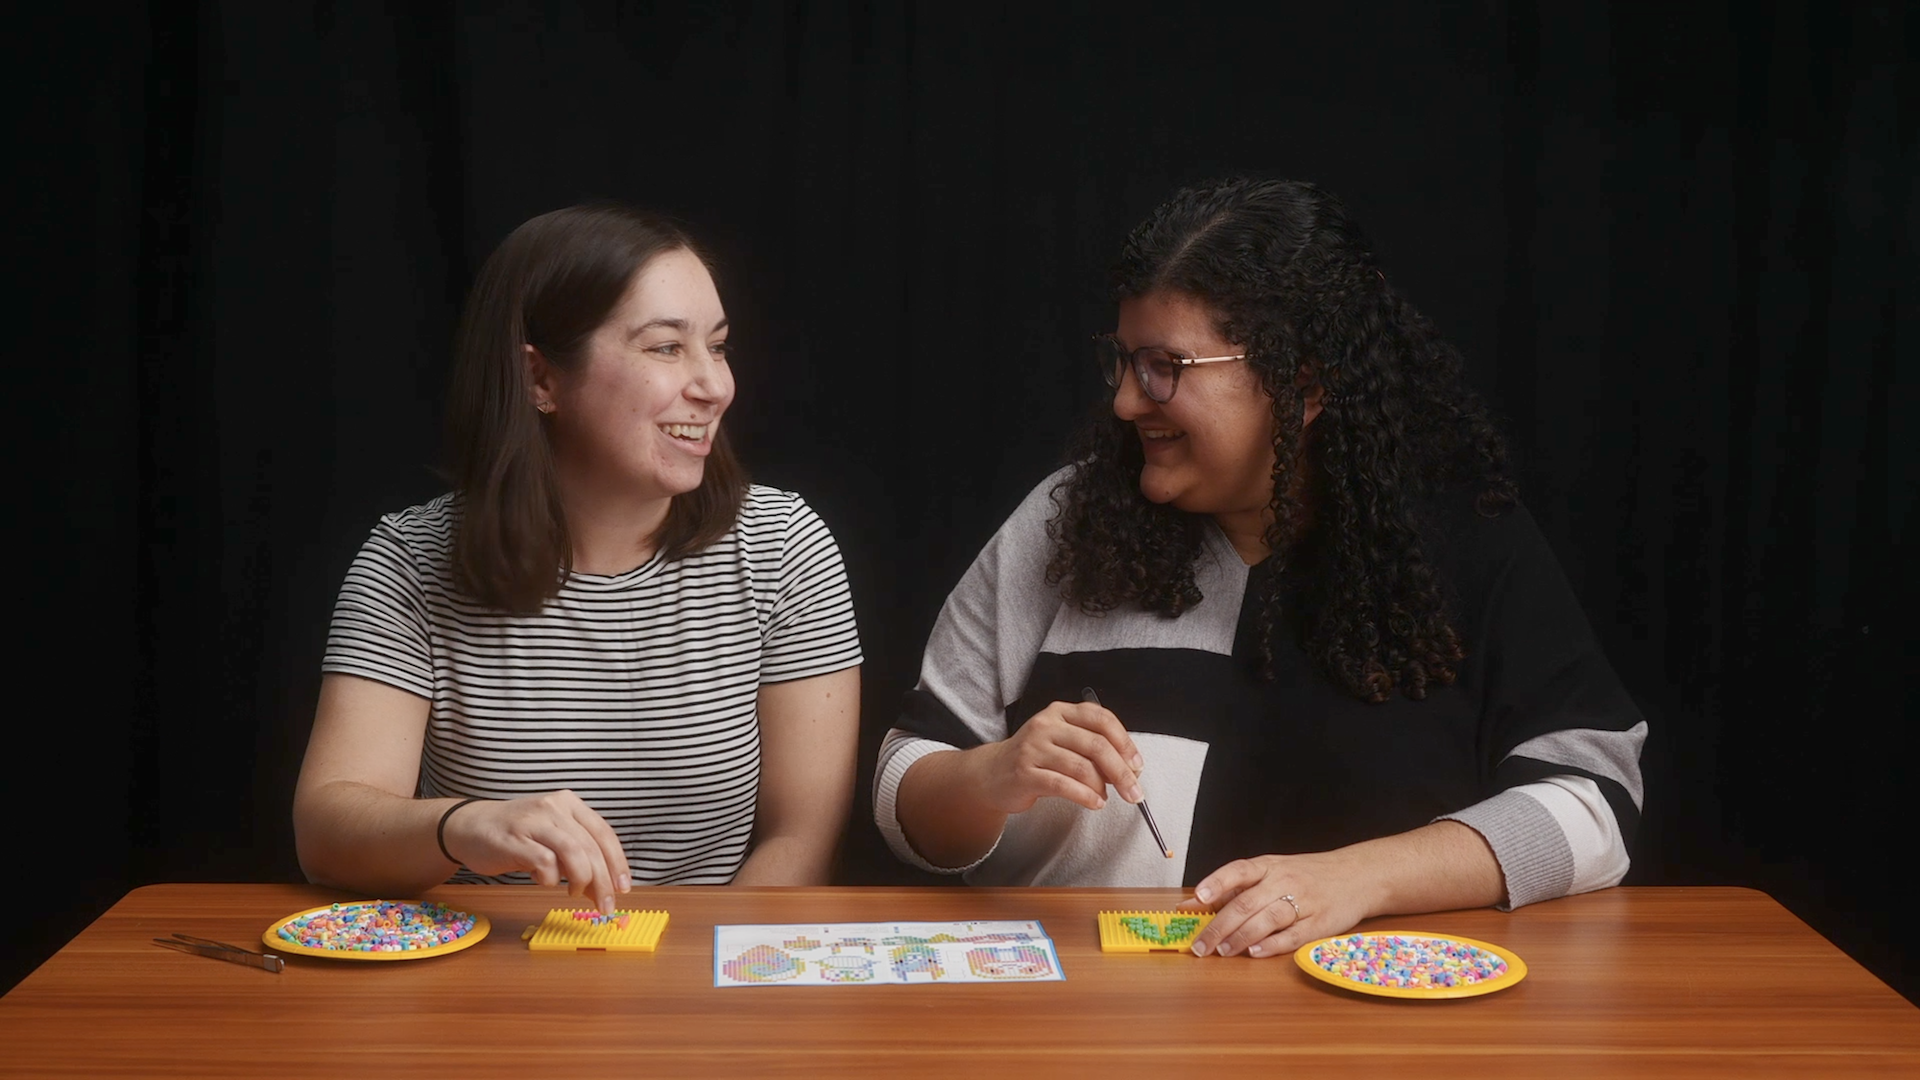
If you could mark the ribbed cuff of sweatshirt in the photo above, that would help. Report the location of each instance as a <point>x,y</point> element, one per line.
<point>886,814</point>
<point>1527,843</point>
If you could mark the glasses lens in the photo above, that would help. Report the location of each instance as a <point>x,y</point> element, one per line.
<point>1156,370</point>
<point>1107,354</point>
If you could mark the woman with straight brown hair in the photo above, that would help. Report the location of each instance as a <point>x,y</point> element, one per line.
<point>604,657</point>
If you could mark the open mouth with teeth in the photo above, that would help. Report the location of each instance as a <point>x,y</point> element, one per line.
<point>1159,434</point>
<point>686,432</point>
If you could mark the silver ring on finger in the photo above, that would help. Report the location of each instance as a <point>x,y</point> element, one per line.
<point>1291,902</point>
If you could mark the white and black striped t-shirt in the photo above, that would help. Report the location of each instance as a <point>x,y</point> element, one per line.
<point>636,690</point>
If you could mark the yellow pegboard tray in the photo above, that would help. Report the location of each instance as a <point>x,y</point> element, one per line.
<point>587,930</point>
<point>1151,931</point>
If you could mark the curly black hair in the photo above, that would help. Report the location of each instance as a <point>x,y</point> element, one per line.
<point>1292,279</point>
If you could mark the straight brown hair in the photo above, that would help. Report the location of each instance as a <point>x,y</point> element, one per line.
<point>551,284</point>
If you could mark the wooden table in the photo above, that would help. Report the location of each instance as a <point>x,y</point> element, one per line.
<point>1648,982</point>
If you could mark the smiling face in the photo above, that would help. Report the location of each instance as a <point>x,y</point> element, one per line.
<point>1210,449</point>
<point>636,418</point>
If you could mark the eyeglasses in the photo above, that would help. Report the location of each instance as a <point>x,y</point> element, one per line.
<point>1157,370</point>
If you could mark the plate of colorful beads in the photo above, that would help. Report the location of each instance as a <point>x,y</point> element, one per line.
<point>377,930</point>
<point>1410,964</point>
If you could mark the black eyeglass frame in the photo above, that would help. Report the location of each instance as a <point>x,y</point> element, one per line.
<point>1108,355</point>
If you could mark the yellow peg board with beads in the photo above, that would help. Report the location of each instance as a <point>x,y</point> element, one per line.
<point>1150,931</point>
<point>588,930</point>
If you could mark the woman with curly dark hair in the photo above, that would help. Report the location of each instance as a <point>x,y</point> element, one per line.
<point>1284,589</point>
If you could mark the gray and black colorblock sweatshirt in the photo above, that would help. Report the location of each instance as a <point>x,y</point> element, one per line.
<point>1536,745</point>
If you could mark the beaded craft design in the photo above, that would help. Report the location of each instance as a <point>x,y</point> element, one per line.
<point>590,930</point>
<point>1150,931</point>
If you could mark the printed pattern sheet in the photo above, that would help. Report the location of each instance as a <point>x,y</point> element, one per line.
<point>870,954</point>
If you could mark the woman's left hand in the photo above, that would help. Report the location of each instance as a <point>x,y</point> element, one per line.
<point>1271,905</point>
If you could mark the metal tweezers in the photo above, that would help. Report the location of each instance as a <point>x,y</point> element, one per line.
<point>220,950</point>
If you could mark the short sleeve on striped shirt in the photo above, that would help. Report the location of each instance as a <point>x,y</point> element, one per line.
<point>379,626</point>
<point>810,628</point>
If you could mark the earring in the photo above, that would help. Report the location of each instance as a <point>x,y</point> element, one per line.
<point>545,407</point>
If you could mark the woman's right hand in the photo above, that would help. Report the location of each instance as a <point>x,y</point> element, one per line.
<point>554,837</point>
<point>1069,750</point>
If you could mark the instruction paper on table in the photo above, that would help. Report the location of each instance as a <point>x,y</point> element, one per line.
<point>843,954</point>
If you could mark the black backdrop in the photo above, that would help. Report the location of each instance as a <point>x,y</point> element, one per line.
<point>1675,245</point>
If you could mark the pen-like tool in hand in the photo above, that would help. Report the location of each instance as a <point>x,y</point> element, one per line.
<point>1087,695</point>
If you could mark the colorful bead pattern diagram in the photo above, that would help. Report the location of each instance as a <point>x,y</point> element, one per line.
<point>892,953</point>
<point>1009,962</point>
<point>763,964</point>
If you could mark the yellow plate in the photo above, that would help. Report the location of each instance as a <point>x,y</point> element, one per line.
<point>1516,967</point>
<point>279,945</point>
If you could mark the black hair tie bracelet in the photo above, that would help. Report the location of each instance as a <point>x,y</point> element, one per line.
<point>440,832</point>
